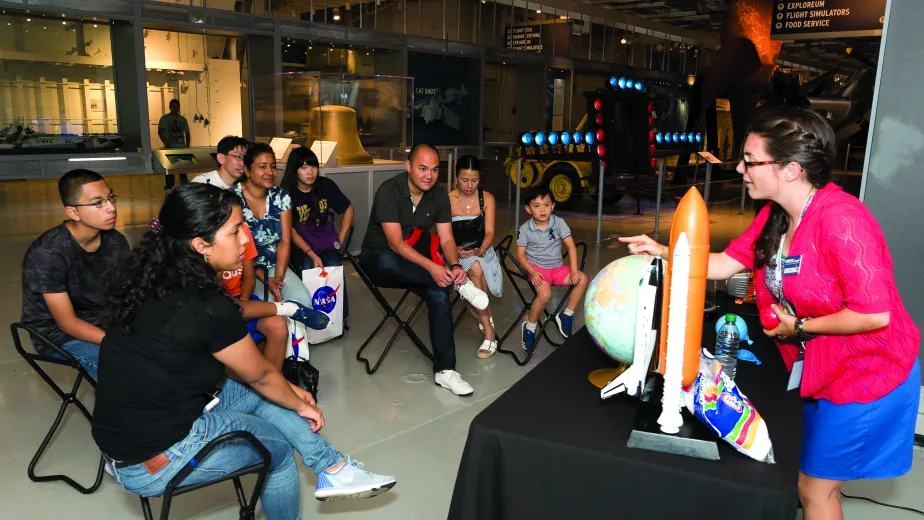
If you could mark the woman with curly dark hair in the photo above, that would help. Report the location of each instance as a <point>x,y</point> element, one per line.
<point>823,265</point>
<point>174,332</point>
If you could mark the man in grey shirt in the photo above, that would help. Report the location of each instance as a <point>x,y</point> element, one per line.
<point>173,130</point>
<point>539,242</point>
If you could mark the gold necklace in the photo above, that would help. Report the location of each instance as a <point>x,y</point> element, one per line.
<point>468,203</point>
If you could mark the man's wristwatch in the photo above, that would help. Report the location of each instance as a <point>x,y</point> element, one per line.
<point>800,322</point>
<point>453,266</point>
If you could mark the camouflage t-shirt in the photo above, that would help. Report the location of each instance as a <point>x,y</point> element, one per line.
<point>55,263</point>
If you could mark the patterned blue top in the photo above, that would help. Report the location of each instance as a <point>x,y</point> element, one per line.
<point>267,232</point>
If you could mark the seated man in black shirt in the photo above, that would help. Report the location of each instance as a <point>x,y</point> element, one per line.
<point>409,201</point>
<point>64,271</point>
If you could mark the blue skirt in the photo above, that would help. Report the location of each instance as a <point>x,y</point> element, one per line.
<point>862,441</point>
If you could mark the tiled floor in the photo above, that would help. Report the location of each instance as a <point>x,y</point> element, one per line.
<point>396,421</point>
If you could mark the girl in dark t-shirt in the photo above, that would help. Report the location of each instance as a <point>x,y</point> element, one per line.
<point>174,333</point>
<point>315,202</point>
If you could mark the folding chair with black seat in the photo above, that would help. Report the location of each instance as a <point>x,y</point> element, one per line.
<point>260,469</point>
<point>514,271</point>
<point>392,312</point>
<point>67,398</point>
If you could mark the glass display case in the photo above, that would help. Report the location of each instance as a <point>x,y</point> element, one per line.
<point>360,112</point>
<point>57,88</point>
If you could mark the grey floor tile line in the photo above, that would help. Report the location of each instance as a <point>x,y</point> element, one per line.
<point>468,404</point>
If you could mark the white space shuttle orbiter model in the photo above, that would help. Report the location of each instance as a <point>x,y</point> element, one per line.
<point>681,327</point>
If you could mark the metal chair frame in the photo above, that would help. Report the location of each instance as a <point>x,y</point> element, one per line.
<point>248,507</point>
<point>392,312</point>
<point>67,398</point>
<point>515,271</point>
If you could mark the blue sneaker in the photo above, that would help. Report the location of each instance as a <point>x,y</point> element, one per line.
<point>351,481</point>
<point>565,323</point>
<point>528,339</point>
<point>313,319</point>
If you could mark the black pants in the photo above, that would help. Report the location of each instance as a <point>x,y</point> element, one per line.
<point>387,269</point>
<point>170,180</point>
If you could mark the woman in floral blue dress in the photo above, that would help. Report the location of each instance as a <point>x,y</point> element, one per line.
<point>268,212</point>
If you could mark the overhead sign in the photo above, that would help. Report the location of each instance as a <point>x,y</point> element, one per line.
<point>528,38</point>
<point>826,19</point>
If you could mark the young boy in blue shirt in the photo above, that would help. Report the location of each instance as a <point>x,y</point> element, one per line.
<point>539,242</point>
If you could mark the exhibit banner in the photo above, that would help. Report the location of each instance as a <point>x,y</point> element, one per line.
<point>826,19</point>
<point>447,97</point>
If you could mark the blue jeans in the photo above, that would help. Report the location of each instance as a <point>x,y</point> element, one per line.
<point>294,289</point>
<point>387,269</point>
<point>331,258</point>
<point>241,408</point>
<point>86,353</point>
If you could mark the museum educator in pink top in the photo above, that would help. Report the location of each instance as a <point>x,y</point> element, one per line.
<point>822,261</point>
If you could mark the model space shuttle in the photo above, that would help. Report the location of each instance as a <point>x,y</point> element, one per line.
<point>681,327</point>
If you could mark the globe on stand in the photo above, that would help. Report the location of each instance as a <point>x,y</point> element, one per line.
<point>610,312</point>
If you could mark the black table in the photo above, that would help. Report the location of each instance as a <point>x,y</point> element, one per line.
<point>550,448</point>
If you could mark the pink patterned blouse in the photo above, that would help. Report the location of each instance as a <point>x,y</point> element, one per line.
<point>845,263</point>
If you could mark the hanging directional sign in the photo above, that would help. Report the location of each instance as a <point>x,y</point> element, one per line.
<point>793,20</point>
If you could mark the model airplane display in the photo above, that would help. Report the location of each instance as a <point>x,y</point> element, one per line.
<point>19,138</point>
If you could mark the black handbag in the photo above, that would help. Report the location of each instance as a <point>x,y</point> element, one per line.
<point>301,373</point>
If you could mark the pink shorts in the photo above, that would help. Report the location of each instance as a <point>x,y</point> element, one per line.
<point>557,276</point>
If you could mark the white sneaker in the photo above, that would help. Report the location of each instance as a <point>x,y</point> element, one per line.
<point>352,481</point>
<point>452,381</point>
<point>473,295</point>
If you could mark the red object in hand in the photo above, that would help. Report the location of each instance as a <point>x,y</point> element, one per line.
<point>768,318</point>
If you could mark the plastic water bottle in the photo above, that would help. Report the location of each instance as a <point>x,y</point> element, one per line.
<point>726,346</point>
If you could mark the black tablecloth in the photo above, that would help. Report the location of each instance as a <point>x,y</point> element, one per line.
<point>550,448</point>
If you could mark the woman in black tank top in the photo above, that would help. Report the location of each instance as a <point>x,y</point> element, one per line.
<point>473,212</point>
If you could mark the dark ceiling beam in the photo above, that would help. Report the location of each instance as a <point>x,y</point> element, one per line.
<point>644,5</point>
<point>640,24</point>
<point>689,17</point>
<point>675,14</point>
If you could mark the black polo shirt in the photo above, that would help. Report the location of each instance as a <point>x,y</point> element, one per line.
<point>393,203</point>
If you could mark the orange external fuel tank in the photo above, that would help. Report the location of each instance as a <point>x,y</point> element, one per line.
<point>691,218</point>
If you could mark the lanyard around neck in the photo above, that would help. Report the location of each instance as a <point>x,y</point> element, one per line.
<point>779,251</point>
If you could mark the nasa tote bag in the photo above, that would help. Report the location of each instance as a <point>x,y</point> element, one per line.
<point>326,287</point>
<point>296,367</point>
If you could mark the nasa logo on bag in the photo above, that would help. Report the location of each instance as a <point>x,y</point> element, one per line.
<point>325,299</point>
<point>297,345</point>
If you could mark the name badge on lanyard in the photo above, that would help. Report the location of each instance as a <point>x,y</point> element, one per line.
<point>792,265</point>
